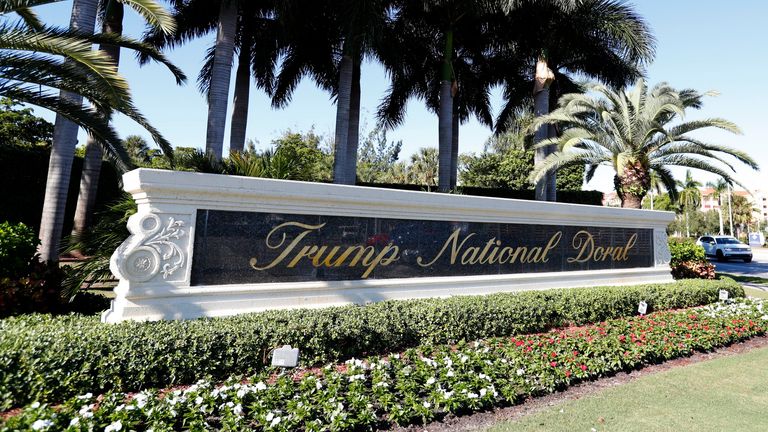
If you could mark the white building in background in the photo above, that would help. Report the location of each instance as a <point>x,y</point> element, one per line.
<point>757,197</point>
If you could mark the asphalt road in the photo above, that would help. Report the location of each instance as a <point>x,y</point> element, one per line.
<point>758,266</point>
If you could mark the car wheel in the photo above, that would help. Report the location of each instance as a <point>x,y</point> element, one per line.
<point>720,256</point>
<point>748,260</point>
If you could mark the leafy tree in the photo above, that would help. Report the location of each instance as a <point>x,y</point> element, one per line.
<point>377,157</point>
<point>635,132</point>
<point>20,127</point>
<point>511,170</point>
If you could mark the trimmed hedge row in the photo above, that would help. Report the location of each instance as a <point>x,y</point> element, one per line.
<point>48,358</point>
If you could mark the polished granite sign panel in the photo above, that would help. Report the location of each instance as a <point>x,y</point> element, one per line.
<point>234,247</point>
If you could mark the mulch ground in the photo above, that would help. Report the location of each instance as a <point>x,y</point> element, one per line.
<point>483,420</point>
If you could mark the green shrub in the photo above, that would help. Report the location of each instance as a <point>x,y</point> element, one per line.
<point>18,244</point>
<point>689,261</point>
<point>51,358</point>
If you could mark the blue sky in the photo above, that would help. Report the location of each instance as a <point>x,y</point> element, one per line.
<point>702,44</point>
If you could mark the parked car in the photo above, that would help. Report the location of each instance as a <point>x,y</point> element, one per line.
<point>725,247</point>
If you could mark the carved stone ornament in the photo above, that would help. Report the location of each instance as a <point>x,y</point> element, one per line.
<point>661,248</point>
<point>156,246</point>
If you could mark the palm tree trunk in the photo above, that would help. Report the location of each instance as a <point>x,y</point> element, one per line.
<point>218,94</point>
<point>242,95</point>
<point>63,151</point>
<point>343,102</point>
<point>542,79</point>
<point>551,177</point>
<point>454,148</point>
<point>89,180</point>
<point>720,213</point>
<point>353,134</point>
<point>445,118</point>
<point>687,228</point>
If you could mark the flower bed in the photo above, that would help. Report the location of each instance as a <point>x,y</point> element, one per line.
<point>50,359</point>
<point>416,386</point>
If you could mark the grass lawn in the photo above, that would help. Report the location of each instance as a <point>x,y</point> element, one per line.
<point>746,279</point>
<point>726,394</point>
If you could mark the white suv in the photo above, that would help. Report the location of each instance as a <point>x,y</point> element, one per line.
<point>724,247</point>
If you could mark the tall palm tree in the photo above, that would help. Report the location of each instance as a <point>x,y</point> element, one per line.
<point>35,61</point>
<point>656,187</point>
<point>604,40</point>
<point>635,132</point>
<point>719,189</point>
<point>112,12</point>
<point>690,198</point>
<point>255,47</point>
<point>452,76</point>
<point>328,41</point>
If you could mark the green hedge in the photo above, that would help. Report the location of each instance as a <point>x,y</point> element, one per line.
<point>23,191</point>
<point>51,358</point>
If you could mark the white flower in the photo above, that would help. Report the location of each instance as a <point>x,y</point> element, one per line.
<point>463,358</point>
<point>35,405</point>
<point>270,416</point>
<point>427,404</point>
<point>359,377</point>
<point>483,392</point>
<point>116,426</point>
<point>382,384</point>
<point>431,381</point>
<point>520,372</point>
<point>275,421</point>
<point>238,410</point>
<point>472,395</point>
<point>449,374</point>
<point>260,386</point>
<point>242,392</point>
<point>41,424</point>
<point>85,396</point>
<point>318,385</point>
<point>198,400</point>
<point>75,421</point>
<point>447,394</point>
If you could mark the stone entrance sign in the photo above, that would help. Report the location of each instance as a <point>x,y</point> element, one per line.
<point>213,245</point>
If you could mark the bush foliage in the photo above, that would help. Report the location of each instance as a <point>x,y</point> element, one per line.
<point>50,358</point>
<point>689,261</point>
<point>415,387</point>
<point>18,243</point>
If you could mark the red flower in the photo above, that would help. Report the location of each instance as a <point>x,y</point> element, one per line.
<point>567,373</point>
<point>583,367</point>
<point>554,354</point>
<point>553,364</point>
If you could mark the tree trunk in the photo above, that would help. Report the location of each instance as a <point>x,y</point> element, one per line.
<point>720,213</point>
<point>242,95</point>
<point>632,201</point>
<point>218,94</point>
<point>83,20</point>
<point>542,79</point>
<point>445,118</point>
<point>353,134</point>
<point>551,177</point>
<point>454,148</point>
<point>89,180</point>
<point>343,102</point>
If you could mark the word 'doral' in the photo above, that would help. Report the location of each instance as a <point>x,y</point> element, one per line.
<point>456,250</point>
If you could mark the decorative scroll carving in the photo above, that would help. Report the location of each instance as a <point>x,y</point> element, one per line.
<point>661,248</point>
<point>156,246</point>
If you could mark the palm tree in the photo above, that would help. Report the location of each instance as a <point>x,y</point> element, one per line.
<point>328,40</point>
<point>600,39</point>
<point>424,167</point>
<point>255,47</point>
<point>719,189</point>
<point>632,131</point>
<point>112,23</point>
<point>452,76</point>
<point>37,60</point>
<point>690,197</point>
<point>656,187</point>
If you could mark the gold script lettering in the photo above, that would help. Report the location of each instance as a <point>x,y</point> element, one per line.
<point>287,250</point>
